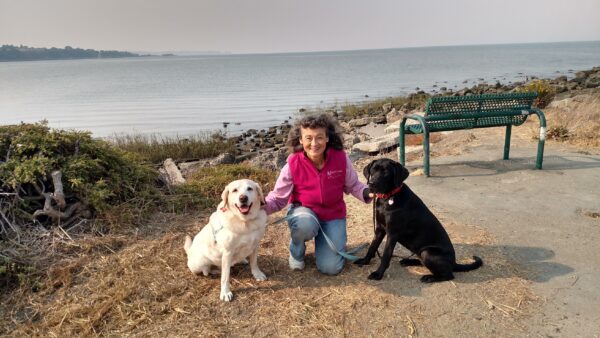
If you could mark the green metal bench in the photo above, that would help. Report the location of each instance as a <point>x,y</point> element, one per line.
<point>473,111</point>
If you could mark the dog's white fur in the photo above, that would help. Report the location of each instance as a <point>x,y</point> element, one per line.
<point>230,236</point>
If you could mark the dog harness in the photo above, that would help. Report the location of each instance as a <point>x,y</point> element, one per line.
<point>215,231</point>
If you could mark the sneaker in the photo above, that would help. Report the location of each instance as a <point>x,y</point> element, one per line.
<point>295,264</point>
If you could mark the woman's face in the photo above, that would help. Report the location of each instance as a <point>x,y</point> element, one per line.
<point>314,142</point>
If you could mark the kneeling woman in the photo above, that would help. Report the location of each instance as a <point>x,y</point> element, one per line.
<point>312,183</point>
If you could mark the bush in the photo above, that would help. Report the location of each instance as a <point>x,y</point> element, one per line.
<point>96,177</point>
<point>544,90</point>
<point>559,133</point>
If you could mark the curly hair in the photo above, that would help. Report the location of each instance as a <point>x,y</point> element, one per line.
<point>334,132</point>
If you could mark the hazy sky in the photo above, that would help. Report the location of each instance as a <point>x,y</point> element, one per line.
<point>262,26</point>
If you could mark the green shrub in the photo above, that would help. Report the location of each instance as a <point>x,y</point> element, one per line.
<point>94,173</point>
<point>544,90</point>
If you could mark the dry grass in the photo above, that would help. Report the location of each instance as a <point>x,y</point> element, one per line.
<point>575,120</point>
<point>139,285</point>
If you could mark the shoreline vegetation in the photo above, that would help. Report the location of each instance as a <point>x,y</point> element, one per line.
<point>59,187</point>
<point>25,53</point>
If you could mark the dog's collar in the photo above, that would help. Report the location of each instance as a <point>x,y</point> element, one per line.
<point>391,193</point>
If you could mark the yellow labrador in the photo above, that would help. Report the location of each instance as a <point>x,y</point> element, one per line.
<point>233,233</point>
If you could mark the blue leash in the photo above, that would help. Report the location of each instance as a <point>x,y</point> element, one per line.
<point>346,254</point>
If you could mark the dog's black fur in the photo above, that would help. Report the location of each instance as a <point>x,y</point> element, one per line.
<point>409,222</point>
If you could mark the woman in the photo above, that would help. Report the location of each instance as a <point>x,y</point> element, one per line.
<point>312,183</point>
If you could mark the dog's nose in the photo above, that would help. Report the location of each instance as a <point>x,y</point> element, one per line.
<point>243,198</point>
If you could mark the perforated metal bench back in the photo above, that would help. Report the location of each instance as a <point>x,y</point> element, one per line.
<point>477,111</point>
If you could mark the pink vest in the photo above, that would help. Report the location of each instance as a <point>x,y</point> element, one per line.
<point>321,191</point>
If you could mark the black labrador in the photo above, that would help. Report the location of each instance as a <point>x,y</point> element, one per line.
<point>404,218</point>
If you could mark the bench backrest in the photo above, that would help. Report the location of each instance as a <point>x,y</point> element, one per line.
<point>480,103</point>
<point>478,111</point>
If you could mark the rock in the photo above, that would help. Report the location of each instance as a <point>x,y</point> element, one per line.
<point>380,119</point>
<point>593,81</point>
<point>378,144</point>
<point>464,92</point>
<point>170,174</point>
<point>344,125</point>
<point>393,128</point>
<point>392,116</point>
<point>225,158</point>
<point>359,122</point>
<point>561,79</point>
<point>188,168</point>
<point>272,160</point>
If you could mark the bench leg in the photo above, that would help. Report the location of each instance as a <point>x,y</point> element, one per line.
<point>507,142</point>
<point>540,152</point>
<point>426,152</point>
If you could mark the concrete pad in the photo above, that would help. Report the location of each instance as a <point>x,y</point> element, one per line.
<point>543,218</point>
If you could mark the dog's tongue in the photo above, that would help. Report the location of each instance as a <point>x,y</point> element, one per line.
<point>244,208</point>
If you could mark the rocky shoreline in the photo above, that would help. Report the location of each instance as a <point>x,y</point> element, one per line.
<point>266,148</point>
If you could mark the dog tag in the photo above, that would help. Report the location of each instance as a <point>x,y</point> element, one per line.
<point>391,201</point>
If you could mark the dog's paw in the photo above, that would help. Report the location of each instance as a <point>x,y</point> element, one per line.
<point>361,262</point>
<point>259,276</point>
<point>428,279</point>
<point>375,275</point>
<point>226,296</point>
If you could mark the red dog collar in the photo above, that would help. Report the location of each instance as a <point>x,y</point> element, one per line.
<point>390,194</point>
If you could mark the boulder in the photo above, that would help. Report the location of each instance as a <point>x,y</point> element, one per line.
<point>593,81</point>
<point>188,168</point>
<point>359,122</point>
<point>378,144</point>
<point>392,116</point>
<point>272,160</point>
<point>379,119</point>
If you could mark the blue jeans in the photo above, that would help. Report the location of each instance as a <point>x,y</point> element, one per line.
<point>304,227</point>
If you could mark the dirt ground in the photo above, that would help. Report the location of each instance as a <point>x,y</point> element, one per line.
<point>536,231</point>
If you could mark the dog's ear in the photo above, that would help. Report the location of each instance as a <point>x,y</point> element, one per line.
<point>367,170</point>
<point>225,196</point>
<point>261,196</point>
<point>400,174</point>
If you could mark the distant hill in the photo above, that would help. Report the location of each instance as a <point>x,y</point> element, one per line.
<point>25,53</point>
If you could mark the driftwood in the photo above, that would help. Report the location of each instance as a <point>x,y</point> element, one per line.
<point>59,195</point>
<point>56,213</point>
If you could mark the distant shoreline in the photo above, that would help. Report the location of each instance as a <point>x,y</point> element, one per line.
<point>10,53</point>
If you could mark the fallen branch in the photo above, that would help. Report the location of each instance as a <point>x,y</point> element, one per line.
<point>55,214</point>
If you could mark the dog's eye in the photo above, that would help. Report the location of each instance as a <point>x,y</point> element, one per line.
<point>234,190</point>
<point>250,189</point>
